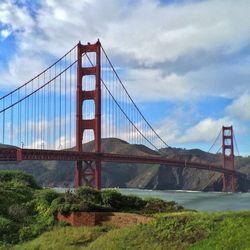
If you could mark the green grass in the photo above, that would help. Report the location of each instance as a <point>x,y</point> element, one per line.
<point>181,230</point>
<point>231,231</point>
<point>166,232</point>
<point>61,238</point>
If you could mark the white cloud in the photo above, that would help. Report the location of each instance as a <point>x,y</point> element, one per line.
<point>17,18</point>
<point>240,107</point>
<point>147,35</point>
<point>22,69</point>
<point>227,81</point>
<point>151,85</point>
<point>145,31</point>
<point>5,33</point>
<point>153,33</point>
<point>204,131</point>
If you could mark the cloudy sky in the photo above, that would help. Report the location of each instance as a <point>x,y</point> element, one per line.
<point>185,63</point>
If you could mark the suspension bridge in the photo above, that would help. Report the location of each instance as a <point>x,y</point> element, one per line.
<point>81,98</point>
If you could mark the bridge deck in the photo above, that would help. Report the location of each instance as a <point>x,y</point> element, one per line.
<point>17,154</point>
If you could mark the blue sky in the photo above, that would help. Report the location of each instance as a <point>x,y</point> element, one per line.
<point>185,63</point>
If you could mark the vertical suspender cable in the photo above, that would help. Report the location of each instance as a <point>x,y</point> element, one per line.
<point>49,112</point>
<point>35,121</point>
<point>31,115</point>
<point>19,120</point>
<point>11,126</point>
<point>54,105</point>
<point>25,117</point>
<point>4,121</point>
<point>44,113</point>
<point>60,105</point>
<point>38,115</point>
<point>28,122</point>
<point>70,93</point>
<point>65,103</point>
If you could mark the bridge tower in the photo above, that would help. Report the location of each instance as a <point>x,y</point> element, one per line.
<point>228,158</point>
<point>88,172</point>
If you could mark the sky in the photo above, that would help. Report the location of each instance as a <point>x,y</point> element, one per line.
<point>185,63</point>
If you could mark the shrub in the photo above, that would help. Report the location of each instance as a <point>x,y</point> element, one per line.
<point>64,208</point>
<point>114,199</point>
<point>16,176</point>
<point>43,201</point>
<point>46,196</point>
<point>11,194</point>
<point>71,197</point>
<point>154,205</point>
<point>8,231</point>
<point>89,194</point>
<point>17,212</point>
<point>56,203</point>
<point>30,231</point>
<point>134,202</point>
<point>92,207</point>
<point>30,206</point>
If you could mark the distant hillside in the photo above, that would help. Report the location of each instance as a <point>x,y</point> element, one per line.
<point>54,173</point>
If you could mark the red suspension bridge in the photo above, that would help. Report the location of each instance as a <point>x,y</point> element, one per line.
<point>81,98</point>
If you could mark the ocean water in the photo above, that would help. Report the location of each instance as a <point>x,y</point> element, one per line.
<point>202,201</point>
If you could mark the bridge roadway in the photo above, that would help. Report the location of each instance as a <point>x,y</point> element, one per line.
<point>18,154</point>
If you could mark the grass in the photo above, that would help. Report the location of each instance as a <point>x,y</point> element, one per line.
<point>61,238</point>
<point>181,230</point>
<point>231,231</point>
<point>166,232</point>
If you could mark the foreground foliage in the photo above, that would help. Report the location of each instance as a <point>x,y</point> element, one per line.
<point>185,230</point>
<point>27,210</point>
<point>24,207</point>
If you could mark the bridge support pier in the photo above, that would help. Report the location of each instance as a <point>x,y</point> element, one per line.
<point>88,172</point>
<point>228,158</point>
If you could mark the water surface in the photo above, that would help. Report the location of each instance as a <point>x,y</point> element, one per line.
<point>203,201</point>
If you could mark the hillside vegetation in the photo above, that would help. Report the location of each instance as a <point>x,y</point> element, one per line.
<point>27,210</point>
<point>27,221</point>
<point>185,230</point>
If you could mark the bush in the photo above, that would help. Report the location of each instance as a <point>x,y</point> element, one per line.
<point>16,176</point>
<point>89,194</point>
<point>46,196</point>
<point>11,194</point>
<point>92,207</point>
<point>8,231</point>
<point>112,198</point>
<point>88,199</point>
<point>25,208</point>
<point>56,203</point>
<point>30,231</point>
<point>115,200</point>
<point>134,202</point>
<point>64,208</point>
<point>71,197</point>
<point>43,200</point>
<point>154,205</point>
<point>17,212</point>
